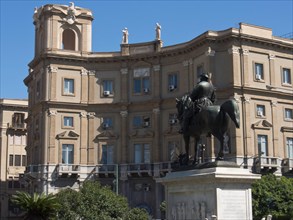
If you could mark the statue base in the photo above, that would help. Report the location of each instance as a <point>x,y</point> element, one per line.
<point>212,192</point>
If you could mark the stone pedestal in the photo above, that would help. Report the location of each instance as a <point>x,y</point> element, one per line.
<point>218,193</point>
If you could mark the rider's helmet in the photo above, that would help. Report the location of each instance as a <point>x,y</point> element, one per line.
<point>204,77</point>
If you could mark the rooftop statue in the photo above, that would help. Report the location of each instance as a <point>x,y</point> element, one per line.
<point>198,116</point>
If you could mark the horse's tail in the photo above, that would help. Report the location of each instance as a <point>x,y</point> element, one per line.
<point>231,107</point>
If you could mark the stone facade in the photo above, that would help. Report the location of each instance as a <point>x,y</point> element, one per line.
<point>13,113</point>
<point>93,115</point>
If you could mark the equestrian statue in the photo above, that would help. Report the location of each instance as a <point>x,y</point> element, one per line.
<point>198,116</point>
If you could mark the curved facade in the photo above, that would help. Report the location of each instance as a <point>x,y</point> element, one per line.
<point>112,116</point>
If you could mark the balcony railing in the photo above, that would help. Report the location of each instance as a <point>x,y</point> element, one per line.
<point>265,163</point>
<point>287,165</point>
<point>33,171</point>
<point>106,169</point>
<point>68,169</point>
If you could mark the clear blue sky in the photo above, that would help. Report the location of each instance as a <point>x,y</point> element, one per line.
<point>181,21</point>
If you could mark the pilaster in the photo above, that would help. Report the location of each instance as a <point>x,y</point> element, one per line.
<point>156,81</point>
<point>156,144</point>
<point>124,85</point>
<point>52,71</point>
<point>52,151</point>
<point>234,52</point>
<point>84,86</point>
<point>91,132</point>
<point>247,76</point>
<point>277,150</point>
<point>123,152</point>
<point>83,138</point>
<point>272,70</point>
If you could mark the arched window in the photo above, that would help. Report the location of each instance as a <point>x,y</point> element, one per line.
<point>68,39</point>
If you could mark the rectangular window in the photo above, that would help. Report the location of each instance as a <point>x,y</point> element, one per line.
<point>107,154</point>
<point>18,120</point>
<point>173,150</point>
<point>289,143</point>
<point>17,160</point>
<point>141,153</point>
<point>67,121</point>
<point>262,145</point>
<point>288,114</point>
<point>260,110</point>
<point>286,76</point>
<point>68,88</point>
<point>172,82</point>
<point>108,87</point>
<point>141,122</point>
<point>23,160</point>
<point>259,72</point>
<point>11,157</point>
<point>141,81</point>
<point>107,123</point>
<point>67,153</point>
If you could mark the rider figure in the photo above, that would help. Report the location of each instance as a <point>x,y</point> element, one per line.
<point>202,95</point>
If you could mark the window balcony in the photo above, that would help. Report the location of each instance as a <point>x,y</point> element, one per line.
<point>287,165</point>
<point>33,171</point>
<point>68,169</point>
<point>265,164</point>
<point>106,169</point>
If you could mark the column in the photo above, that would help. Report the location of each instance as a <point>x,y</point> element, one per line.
<point>124,85</point>
<point>156,144</point>
<point>91,86</point>
<point>156,81</point>
<point>236,72</point>
<point>84,86</point>
<point>277,150</point>
<point>83,138</point>
<point>52,150</point>
<point>91,137</point>
<point>246,110</point>
<point>247,75</point>
<point>52,71</point>
<point>272,70</point>
<point>122,152</point>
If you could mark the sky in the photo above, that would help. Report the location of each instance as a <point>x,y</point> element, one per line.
<point>181,21</point>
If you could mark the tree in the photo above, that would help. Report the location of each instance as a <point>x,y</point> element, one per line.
<point>36,206</point>
<point>272,195</point>
<point>97,202</point>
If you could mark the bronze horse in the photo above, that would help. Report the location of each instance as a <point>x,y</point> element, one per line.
<point>210,120</point>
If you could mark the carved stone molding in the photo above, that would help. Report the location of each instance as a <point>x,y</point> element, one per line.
<point>52,112</point>
<point>124,114</point>
<point>185,63</point>
<point>83,115</point>
<point>246,99</point>
<point>233,50</point>
<point>124,71</point>
<point>52,69</point>
<point>245,52</point>
<point>274,103</point>
<point>91,72</point>
<point>272,56</point>
<point>83,72</point>
<point>156,67</point>
<point>210,52</point>
<point>262,124</point>
<point>156,110</point>
<point>91,115</point>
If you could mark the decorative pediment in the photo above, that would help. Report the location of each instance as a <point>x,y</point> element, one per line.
<point>262,124</point>
<point>67,135</point>
<point>141,133</point>
<point>106,135</point>
<point>286,129</point>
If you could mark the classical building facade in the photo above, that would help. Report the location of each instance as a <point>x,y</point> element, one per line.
<point>111,116</point>
<point>13,113</point>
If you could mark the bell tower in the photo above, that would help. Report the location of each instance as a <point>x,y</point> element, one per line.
<point>62,27</point>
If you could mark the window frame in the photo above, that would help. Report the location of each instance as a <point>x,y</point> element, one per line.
<point>144,121</point>
<point>69,93</point>
<point>173,81</point>
<point>107,156</point>
<point>263,110</point>
<point>109,121</point>
<point>286,80</point>
<point>64,124</point>
<point>142,78</point>
<point>287,110</point>
<point>144,153</point>
<point>68,154</point>
<point>289,147</point>
<point>111,91</point>
<point>260,138</point>
<point>255,70</point>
